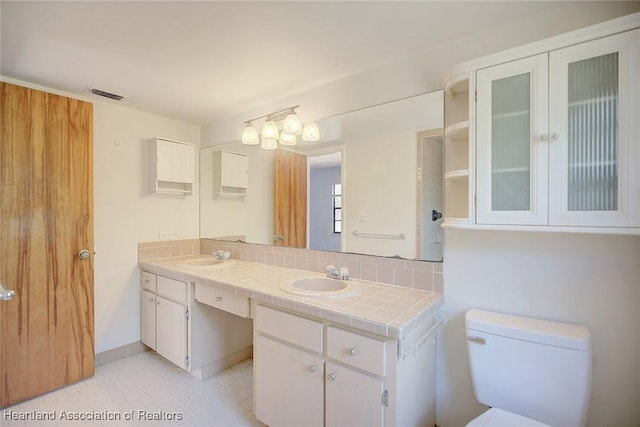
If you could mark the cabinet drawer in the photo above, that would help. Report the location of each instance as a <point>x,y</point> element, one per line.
<point>172,289</point>
<point>296,330</point>
<point>357,350</point>
<point>148,281</point>
<point>223,300</point>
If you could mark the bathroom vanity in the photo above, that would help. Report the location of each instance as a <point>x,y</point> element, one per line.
<point>364,358</point>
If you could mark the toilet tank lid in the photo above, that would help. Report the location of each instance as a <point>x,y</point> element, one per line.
<point>565,335</point>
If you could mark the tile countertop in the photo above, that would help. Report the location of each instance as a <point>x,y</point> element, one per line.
<point>387,310</point>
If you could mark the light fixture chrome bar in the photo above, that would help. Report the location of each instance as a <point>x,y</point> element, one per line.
<point>274,114</point>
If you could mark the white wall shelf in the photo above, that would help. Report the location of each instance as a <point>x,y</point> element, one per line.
<point>230,174</point>
<point>457,131</point>
<point>171,167</point>
<point>456,175</point>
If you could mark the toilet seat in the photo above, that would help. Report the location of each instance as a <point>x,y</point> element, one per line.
<point>495,417</point>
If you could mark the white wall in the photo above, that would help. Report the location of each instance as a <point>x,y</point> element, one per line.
<point>421,73</point>
<point>125,213</point>
<point>587,279</point>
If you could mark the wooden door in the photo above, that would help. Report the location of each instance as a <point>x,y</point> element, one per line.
<point>46,218</point>
<point>290,199</point>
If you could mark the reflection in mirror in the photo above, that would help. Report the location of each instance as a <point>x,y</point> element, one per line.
<point>364,193</point>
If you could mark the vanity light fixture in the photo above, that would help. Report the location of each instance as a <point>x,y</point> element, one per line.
<point>280,126</point>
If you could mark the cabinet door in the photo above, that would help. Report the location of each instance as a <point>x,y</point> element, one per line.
<point>594,155</point>
<point>175,162</point>
<point>171,332</point>
<point>148,318</point>
<point>235,170</point>
<point>352,398</point>
<point>512,153</point>
<point>288,385</point>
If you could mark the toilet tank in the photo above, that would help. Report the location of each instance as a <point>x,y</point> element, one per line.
<point>532,367</point>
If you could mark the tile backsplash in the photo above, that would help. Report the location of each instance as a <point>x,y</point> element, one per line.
<point>422,275</point>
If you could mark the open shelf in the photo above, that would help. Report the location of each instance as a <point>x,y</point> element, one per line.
<point>457,84</point>
<point>456,175</point>
<point>457,131</point>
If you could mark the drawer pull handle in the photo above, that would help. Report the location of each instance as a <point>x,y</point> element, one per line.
<point>151,299</point>
<point>218,298</point>
<point>312,368</point>
<point>146,280</point>
<point>332,377</point>
<point>352,351</point>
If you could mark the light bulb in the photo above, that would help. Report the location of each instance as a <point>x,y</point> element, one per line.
<point>292,124</point>
<point>270,130</point>
<point>250,135</point>
<point>269,143</point>
<point>310,132</point>
<point>286,139</point>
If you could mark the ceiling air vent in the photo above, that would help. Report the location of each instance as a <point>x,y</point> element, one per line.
<point>106,94</point>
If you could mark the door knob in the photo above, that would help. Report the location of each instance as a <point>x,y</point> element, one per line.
<point>6,294</point>
<point>84,254</point>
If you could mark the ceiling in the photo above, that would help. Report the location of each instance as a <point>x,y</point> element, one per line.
<point>199,61</point>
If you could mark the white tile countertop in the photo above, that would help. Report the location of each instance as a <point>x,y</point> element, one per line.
<point>387,310</point>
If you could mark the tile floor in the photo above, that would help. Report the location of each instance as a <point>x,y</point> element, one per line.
<point>139,389</point>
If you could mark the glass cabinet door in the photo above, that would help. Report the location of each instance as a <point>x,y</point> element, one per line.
<point>593,104</point>
<point>511,142</point>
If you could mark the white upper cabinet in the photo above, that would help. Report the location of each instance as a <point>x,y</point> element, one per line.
<point>558,138</point>
<point>172,166</point>
<point>230,174</point>
<point>512,151</point>
<point>594,144</point>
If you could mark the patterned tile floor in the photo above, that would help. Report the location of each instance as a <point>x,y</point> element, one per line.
<point>144,390</point>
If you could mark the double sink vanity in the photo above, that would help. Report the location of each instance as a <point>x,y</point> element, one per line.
<point>326,351</point>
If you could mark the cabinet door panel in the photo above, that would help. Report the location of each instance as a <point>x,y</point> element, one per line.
<point>512,155</point>
<point>148,318</point>
<point>288,389</point>
<point>352,398</point>
<point>594,92</point>
<point>171,332</point>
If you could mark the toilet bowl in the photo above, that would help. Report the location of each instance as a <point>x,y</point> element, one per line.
<point>531,372</point>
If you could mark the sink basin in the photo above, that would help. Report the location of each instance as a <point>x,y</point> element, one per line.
<point>202,262</point>
<point>319,287</point>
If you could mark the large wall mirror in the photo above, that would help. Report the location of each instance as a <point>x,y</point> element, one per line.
<point>371,185</point>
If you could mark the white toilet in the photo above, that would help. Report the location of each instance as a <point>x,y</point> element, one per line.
<point>532,372</point>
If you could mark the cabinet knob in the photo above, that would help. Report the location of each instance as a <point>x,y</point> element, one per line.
<point>151,299</point>
<point>555,136</point>
<point>352,351</point>
<point>146,280</point>
<point>312,368</point>
<point>332,376</point>
<point>543,137</point>
<point>218,298</point>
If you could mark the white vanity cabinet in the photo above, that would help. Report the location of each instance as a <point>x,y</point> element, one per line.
<point>199,338</point>
<point>310,372</point>
<point>164,317</point>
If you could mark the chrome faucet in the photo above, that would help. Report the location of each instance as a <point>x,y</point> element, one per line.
<point>222,255</point>
<point>337,273</point>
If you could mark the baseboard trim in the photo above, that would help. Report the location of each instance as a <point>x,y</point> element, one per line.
<point>207,371</point>
<point>118,353</point>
